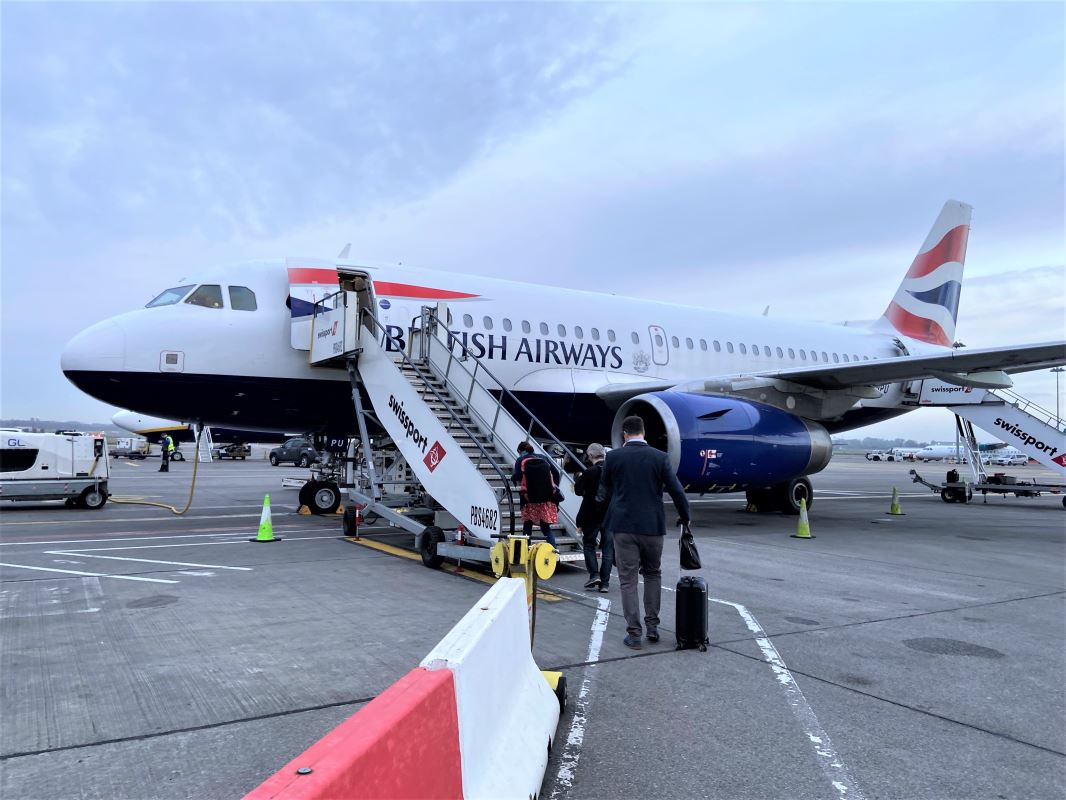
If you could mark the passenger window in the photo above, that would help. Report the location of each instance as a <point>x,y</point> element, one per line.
<point>169,297</point>
<point>675,342</point>
<point>241,298</point>
<point>688,343</point>
<point>595,334</point>
<point>209,296</point>
<point>791,353</point>
<point>658,340</point>
<point>487,322</point>
<point>846,359</point>
<point>743,349</point>
<point>825,358</point>
<point>729,346</point>
<point>780,353</point>
<point>578,332</point>
<point>836,358</point>
<point>766,350</point>
<point>814,355</point>
<point>635,338</point>
<point>468,320</point>
<point>610,335</point>
<point>562,331</point>
<point>717,346</point>
<point>803,355</point>
<point>506,324</point>
<point>854,357</point>
<point>755,349</point>
<point>544,329</point>
<point>703,344</point>
<point>525,326</point>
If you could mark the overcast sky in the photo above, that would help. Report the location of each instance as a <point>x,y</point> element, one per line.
<point>731,156</point>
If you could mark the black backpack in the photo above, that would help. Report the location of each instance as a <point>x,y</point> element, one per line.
<point>537,477</point>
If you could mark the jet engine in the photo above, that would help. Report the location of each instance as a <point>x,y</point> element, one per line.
<point>723,444</point>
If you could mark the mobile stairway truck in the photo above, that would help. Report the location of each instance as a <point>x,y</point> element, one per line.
<point>54,466</point>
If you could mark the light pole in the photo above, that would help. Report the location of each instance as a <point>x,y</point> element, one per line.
<point>1057,370</point>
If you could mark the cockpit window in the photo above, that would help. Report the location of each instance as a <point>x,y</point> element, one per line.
<point>170,296</point>
<point>209,296</point>
<point>241,298</point>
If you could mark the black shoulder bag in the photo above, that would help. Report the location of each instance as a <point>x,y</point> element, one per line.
<point>690,556</point>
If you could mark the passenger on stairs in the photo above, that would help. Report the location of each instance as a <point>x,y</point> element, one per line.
<point>538,478</point>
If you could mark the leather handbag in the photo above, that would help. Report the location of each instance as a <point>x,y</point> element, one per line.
<point>690,556</point>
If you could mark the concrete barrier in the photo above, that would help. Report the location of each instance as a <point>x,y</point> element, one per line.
<point>507,712</point>
<point>475,720</point>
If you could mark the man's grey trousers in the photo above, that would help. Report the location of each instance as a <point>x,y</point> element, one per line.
<point>635,554</point>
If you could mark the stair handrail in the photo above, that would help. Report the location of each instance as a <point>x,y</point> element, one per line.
<point>364,315</point>
<point>1026,405</point>
<point>431,313</point>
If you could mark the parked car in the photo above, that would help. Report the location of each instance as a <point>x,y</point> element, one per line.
<point>1016,460</point>
<point>298,451</point>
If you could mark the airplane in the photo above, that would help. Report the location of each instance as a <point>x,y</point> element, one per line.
<point>153,428</point>
<point>740,403</point>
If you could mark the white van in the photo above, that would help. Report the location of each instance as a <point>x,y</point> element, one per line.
<point>67,466</point>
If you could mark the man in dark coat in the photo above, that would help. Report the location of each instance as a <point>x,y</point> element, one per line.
<point>590,521</point>
<point>634,479</point>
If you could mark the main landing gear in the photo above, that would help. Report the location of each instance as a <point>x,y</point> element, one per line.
<point>322,497</point>
<point>783,497</point>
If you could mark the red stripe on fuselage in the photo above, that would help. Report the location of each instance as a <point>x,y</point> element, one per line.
<point>952,247</point>
<point>328,277</point>
<point>920,328</point>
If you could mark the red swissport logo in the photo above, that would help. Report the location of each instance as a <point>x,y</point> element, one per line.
<point>434,456</point>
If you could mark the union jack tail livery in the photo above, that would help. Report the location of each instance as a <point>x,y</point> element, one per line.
<point>926,304</point>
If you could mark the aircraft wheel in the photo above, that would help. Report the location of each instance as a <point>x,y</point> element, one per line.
<point>789,495</point>
<point>307,493</point>
<point>92,499</point>
<point>325,497</point>
<point>273,460</point>
<point>431,537</point>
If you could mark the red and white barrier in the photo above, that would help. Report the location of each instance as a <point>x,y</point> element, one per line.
<point>473,721</point>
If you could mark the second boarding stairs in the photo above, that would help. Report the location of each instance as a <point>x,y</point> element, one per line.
<point>443,410</point>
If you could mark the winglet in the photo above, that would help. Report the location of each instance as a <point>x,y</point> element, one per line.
<point>926,304</point>
<point>347,249</point>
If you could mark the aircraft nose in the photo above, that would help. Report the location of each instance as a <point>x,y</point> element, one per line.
<point>100,348</point>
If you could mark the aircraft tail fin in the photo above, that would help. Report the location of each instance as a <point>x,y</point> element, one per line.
<point>926,304</point>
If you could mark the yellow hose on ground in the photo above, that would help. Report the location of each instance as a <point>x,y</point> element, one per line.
<point>192,487</point>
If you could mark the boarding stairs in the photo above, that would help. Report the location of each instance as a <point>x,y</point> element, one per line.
<point>205,447</point>
<point>445,412</point>
<point>1012,418</point>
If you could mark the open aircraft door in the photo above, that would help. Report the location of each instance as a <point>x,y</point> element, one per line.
<point>310,280</point>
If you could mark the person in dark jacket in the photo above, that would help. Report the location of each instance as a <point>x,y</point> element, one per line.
<point>539,482</point>
<point>634,479</point>
<point>590,521</point>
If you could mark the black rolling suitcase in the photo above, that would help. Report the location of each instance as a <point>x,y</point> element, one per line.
<point>691,618</point>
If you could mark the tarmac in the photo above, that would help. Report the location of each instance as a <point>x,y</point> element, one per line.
<point>919,656</point>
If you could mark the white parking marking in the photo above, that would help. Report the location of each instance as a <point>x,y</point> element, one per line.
<point>89,574</point>
<point>827,757</point>
<point>564,778</point>
<point>55,595</point>
<point>146,560</point>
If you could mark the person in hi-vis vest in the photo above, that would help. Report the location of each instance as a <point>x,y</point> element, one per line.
<point>168,449</point>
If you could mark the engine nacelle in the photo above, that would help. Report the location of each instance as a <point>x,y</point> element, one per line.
<point>719,443</point>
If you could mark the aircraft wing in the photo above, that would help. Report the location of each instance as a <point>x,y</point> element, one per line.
<point>961,366</point>
<point>953,363</point>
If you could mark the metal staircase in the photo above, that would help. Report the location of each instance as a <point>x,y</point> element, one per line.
<point>444,411</point>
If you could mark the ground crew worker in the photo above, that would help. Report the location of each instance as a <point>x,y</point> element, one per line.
<point>168,448</point>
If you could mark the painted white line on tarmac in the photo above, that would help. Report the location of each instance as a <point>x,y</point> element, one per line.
<point>243,539</point>
<point>155,538</point>
<point>820,498</point>
<point>9,600</point>
<point>145,560</point>
<point>564,778</point>
<point>827,757</point>
<point>89,574</point>
<point>168,518</point>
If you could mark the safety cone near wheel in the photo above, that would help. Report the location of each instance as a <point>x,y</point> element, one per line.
<point>266,527</point>
<point>894,507</point>
<point>803,529</point>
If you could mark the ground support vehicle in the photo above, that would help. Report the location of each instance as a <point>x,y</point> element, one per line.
<point>234,451</point>
<point>959,491</point>
<point>54,466</point>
